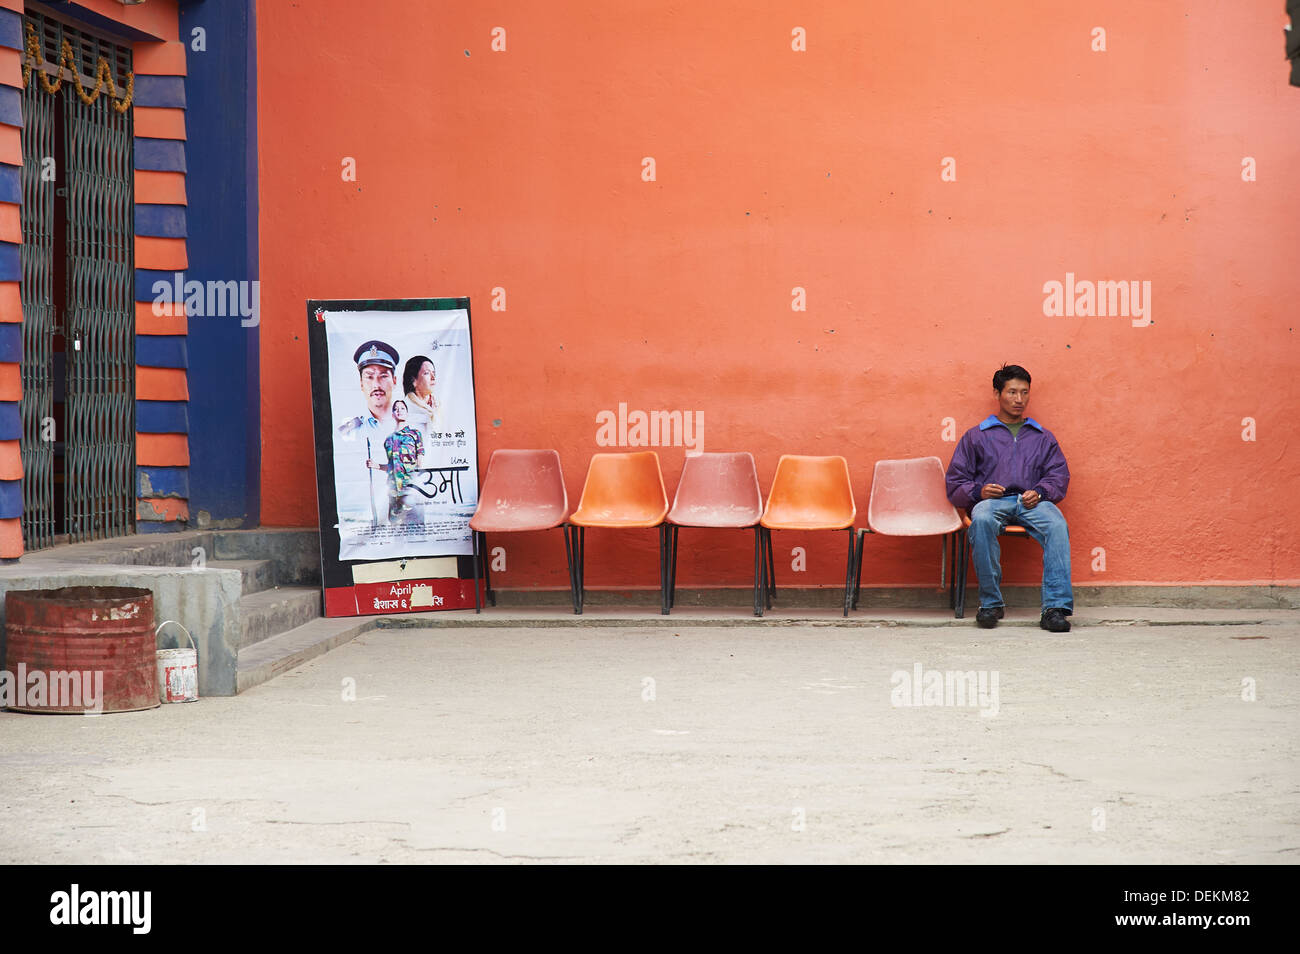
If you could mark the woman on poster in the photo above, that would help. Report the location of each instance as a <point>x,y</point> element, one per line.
<point>405,451</point>
<point>418,377</point>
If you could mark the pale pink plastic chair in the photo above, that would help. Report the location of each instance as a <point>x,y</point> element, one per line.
<point>715,490</point>
<point>522,490</point>
<point>909,499</point>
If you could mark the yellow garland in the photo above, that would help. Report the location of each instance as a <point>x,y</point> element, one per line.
<point>68,60</point>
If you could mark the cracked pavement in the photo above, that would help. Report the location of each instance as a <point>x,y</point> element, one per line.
<point>1110,744</point>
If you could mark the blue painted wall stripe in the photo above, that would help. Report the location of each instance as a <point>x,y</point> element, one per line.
<point>162,417</point>
<point>11,345</point>
<point>11,29</point>
<point>146,279</point>
<point>160,221</point>
<point>11,421</point>
<point>11,106</point>
<point>166,91</point>
<point>11,265</point>
<point>11,499</point>
<point>160,351</point>
<point>11,184</point>
<point>162,482</point>
<point>160,526</point>
<point>160,155</point>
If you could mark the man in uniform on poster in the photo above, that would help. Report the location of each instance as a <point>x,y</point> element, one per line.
<point>376,365</point>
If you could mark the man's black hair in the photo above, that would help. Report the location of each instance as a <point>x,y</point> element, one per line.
<point>1009,372</point>
<point>412,371</point>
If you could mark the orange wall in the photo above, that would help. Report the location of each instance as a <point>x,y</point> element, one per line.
<point>819,169</point>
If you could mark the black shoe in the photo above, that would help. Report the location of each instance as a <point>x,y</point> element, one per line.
<point>1054,621</point>
<point>988,616</point>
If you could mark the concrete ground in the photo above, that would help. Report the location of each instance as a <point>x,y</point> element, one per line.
<point>1133,739</point>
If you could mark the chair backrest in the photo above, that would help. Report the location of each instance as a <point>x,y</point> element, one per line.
<point>623,490</point>
<point>810,493</point>
<point>909,499</point>
<point>522,490</point>
<point>717,490</point>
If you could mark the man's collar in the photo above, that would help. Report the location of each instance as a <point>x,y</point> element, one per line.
<point>993,421</point>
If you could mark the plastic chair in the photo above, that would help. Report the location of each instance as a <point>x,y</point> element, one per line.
<point>810,493</point>
<point>909,499</point>
<point>962,567</point>
<point>715,490</point>
<point>522,490</point>
<point>622,491</point>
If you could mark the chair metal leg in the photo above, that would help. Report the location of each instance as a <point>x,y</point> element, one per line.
<point>485,555</point>
<point>478,602</point>
<point>768,569</point>
<point>848,572</point>
<point>672,573</point>
<point>857,586</point>
<point>770,575</point>
<point>663,569</point>
<point>952,577</point>
<point>759,566</point>
<point>580,556</point>
<point>568,559</point>
<point>963,563</point>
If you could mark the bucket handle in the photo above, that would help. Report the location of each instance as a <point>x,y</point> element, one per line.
<point>183,630</point>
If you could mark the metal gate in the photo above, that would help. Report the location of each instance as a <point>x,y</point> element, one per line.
<point>78,366</point>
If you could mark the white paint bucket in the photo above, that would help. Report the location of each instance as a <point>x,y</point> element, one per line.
<point>178,669</point>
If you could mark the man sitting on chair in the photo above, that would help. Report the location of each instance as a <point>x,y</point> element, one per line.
<point>1010,469</point>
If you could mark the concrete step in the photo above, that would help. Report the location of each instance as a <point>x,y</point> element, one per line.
<point>275,611</point>
<point>271,657</point>
<point>255,575</point>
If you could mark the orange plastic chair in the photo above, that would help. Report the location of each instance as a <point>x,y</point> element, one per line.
<point>910,499</point>
<point>809,493</point>
<point>622,491</point>
<point>962,567</point>
<point>715,490</point>
<point>522,490</point>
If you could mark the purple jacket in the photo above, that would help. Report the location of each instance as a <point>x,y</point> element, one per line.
<point>988,454</point>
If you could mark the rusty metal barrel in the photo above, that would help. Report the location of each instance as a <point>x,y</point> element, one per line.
<point>79,649</point>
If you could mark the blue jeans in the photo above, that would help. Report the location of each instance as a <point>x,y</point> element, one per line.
<point>1045,523</point>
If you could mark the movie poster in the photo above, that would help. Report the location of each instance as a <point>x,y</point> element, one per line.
<point>405,454</point>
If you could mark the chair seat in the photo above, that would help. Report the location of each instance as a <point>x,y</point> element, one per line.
<point>522,490</point>
<point>590,517</point>
<point>505,515</point>
<point>810,493</point>
<point>909,499</point>
<point>1009,528</point>
<point>717,490</point>
<point>622,490</point>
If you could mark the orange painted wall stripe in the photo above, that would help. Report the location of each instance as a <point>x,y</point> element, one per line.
<point>11,538</point>
<point>157,18</point>
<point>11,387</point>
<point>11,67</point>
<point>11,302</point>
<point>11,222</point>
<point>159,59</point>
<point>162,450</point>
<point>15,5</point>
<point>160,253</point>
<point>147,323</point>
<point>161,508</point>
<point>11,461</point>
<point>160,188</point>
<point>161,384</point>
<point>11,145</point>
<point>156,122</point>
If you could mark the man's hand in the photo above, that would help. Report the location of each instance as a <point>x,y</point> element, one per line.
<point>991,491</point>
<point>1029,499</point>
